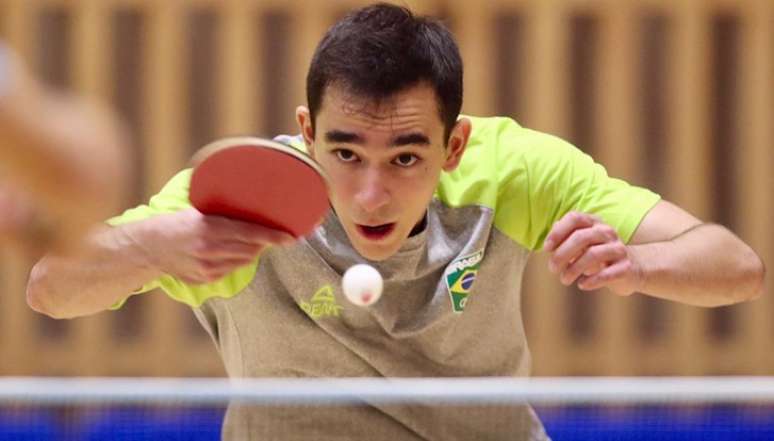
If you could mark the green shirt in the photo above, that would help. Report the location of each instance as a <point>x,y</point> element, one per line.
<point>530,180</point>
<point>452,296</point>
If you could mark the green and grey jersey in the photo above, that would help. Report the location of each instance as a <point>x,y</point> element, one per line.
<point>451,301</point>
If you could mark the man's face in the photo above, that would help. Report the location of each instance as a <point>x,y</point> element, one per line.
<point>384,162</point>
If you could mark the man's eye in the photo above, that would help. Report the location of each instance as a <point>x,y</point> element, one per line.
<point>406,160</point>
<point>346,155</point>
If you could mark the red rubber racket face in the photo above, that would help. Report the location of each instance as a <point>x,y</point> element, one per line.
<point>260,181</point>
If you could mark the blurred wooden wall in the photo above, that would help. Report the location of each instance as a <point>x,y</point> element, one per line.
<point>676,95</point>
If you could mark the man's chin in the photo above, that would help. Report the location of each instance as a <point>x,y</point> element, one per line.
<point>375,254</point>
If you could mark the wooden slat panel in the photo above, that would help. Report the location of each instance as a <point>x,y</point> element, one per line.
<point>165,114</point>
<point>308,26</point>
<point>424,7</point>
<point>733,6</point>
<point>546,36</point>
<point>688,167</point>
<point>727,352</point>
<point>164,98</point>
<point>19,26</point>
<point>24,28</point>
<point>17,321</point>
<point>756,180</point>
<point>617,150</point>
<point>574,5</point>
<point>90,52</point>
<point>653,320</point>
<point>90,341</point>
<point>238,75</point>
<point>474,28</point>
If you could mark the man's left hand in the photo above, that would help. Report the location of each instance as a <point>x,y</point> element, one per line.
<point>586,250</point>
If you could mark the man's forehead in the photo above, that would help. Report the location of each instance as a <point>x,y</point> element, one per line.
<point>412,109</point>
<point>379,107</point>
<point>414,138</point>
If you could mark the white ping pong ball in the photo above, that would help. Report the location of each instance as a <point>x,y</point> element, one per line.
<point>362,284</point>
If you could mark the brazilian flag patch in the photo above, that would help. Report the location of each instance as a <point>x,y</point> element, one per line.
<point>460,276</point>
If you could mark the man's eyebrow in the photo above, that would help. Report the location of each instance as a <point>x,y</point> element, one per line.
<point>340,136</point>
<point>410,139</point>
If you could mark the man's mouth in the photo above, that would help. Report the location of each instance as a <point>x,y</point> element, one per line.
<point>376,232</point>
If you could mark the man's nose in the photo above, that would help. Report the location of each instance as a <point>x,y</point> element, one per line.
<point>372,193</point>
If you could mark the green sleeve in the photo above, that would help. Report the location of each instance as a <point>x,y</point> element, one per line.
<point>541,178</point>
<point>172,198</point>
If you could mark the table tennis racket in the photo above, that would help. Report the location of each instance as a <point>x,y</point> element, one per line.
<point>261,181</point>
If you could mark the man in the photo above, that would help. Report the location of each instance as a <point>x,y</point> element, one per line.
<point>62,162</point>
<point>448,209</point>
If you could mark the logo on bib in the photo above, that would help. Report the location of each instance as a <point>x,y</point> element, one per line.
<point>460,276</point>
<point>322,304</point>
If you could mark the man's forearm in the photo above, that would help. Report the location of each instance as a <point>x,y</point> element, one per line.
<point>110,267</point>
<point>705,266</point>
<point>60,166</point>
<point>60,151</point>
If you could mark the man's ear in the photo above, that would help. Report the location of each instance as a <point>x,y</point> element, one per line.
<point>458,141</point>
<point>304,120</point>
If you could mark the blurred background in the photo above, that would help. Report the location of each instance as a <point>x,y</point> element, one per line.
<point>675,95</point>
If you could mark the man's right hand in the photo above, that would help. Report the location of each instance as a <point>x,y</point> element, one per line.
<point>197,248</point>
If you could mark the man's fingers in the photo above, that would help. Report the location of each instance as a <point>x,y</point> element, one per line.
<point>248,232</point>
<point>611,274</point>
<point>576,244</point>
<point>565,226</point>
<point>260,234</point>
<point>590,271</point>
<point>219,268</point>
<point>210,271</point>
<point>593,260</point>
<point>217,250</point>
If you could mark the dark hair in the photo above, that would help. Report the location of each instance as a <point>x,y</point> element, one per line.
<point>382,49</point>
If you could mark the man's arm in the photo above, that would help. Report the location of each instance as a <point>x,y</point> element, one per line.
<point>117,261</point>
<point>65,157</point>
<point>672,255</point>
<point>110,266</point>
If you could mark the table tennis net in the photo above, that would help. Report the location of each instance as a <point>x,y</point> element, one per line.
<point>731,408</point>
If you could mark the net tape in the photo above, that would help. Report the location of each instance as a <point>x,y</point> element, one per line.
<point>487,390</point>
